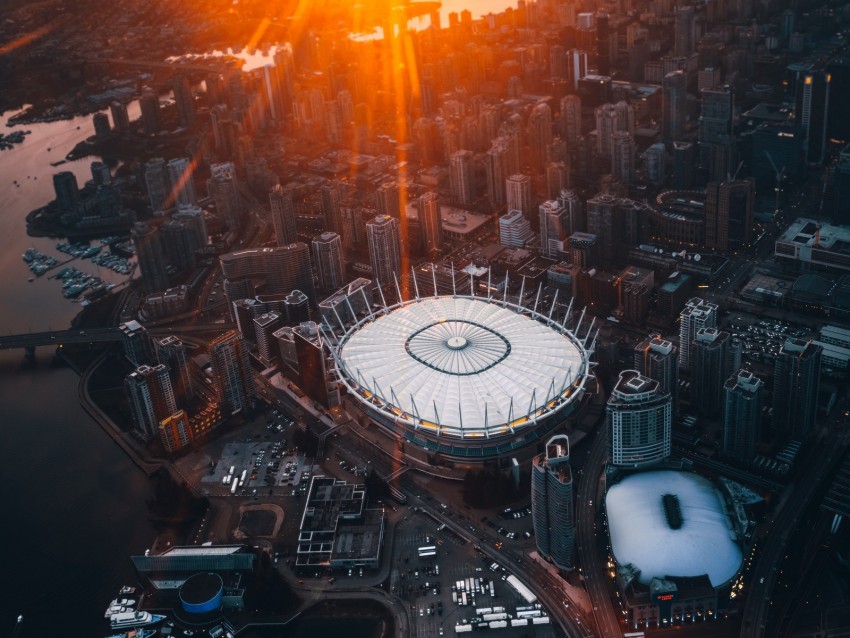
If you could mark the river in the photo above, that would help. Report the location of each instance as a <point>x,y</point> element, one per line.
<point>75,504</point>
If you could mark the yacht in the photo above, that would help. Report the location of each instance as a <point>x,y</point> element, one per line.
<point>134,619</point>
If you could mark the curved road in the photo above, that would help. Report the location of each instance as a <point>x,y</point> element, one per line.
<point>595,571</point>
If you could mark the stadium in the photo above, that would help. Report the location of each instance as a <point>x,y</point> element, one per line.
<point>469,378</point>
<point>676,546</point>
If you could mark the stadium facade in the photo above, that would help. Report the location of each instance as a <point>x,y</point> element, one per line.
<point>468,378</point>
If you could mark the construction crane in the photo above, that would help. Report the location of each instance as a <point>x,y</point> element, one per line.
<point>780,175</point>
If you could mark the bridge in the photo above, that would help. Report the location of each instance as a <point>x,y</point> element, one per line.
<point>31,340</point>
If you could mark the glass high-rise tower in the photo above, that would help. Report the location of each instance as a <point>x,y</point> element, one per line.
<point>552,503</point>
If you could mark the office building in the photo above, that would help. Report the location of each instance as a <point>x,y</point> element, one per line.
<point>796,383</point>
<point>742,403</point>
<point>673,106</point>
<point>729,214</point>
<point>66,190</point>
<point>710,367</point>
<point>684,35</point>
<point>120,117</point>
<point>610,119</point>
<point>462,177</point>
<point>264,327</point>
<point>234,378</point>
<point>388,199</point>
<point>384,238</point>
<point>656,358</point>
<point>150,256</point>
<point>149,106</point>
<point>716,140</point>
<point>185,101</point>
<point>623,157</point>
<point>639,419</point>
<point>156,183</point>
<point>554,229</point>
<point>283,215</point>
<point>514,230</point>
<point>430,222</point>
<point>812,105</point>
<point>284,269</point>
<point>518,189</point>
<point>497,166</point>
<point>696,314</point>
<point>151,399</point>
<point>182,183</point>
<point>171,352</point>
<point>539,135</point>
<point>841,189</point>
<point>223,187</point>
<point>327,257</point>
<point>571,118</point>
<point>603,220</point>
<point>331,196</point>
<point>193,217</point>
<point>552,503</point>
<point>101,126</point>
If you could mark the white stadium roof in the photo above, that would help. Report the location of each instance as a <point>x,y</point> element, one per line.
<point>463,366</point>
<point>641,536</point>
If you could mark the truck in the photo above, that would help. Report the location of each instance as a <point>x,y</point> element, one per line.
<point>233,487</point>
<point>242,478</point>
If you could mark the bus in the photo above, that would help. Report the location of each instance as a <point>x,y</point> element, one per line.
<point>428,551</point>
<point>242,478</point>
<point>233,487</point>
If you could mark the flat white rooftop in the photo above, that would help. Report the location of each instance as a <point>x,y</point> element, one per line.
<point>642,537</point>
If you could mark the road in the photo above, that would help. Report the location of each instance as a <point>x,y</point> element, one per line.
<point>594,569</point>
<point>822,460</point>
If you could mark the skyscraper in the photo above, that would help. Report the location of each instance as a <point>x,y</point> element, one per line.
<point>710,367</point>
<point>497,166</point>
<point>796,382</point>
<point>610,119</point>
<point>193,216</point>
<point>223,188</point>
<point>539,134</point>
<point>331,195</point>
<point>571,118</point>
<point>120,117</point>
<point>729,213</point>
<point>811,113</point>
<point>461,177</point>
<point>514,229</point>
<point>430,221</point>
<point>554,229</point>
<point>330,266</point>
<point>557,179</point>
<point>182,182</point>
<point>696,314</point>
<point>622,157</point>
<point>571,203</point>
<point>156,183</point>
<point>518,189</point>
<point>684,35</point>
<point>742,401</point>
<point>151,399</point>
<point>673,105</point>
<point>639,418</point>
<point>184,100</point>
<point>387,199</point>
<point>384,239</point>
<point>151,257</point>
<point>101,126</point>
<point>149,105</point>
<point>656,358</point>
<point>716,141</point>
<point>66,190</point>
<point>552,503</point>
<point>283,215</point>
<point>234,378</point>
<point>265,325</point>
<point>285,268</point>
<point>576,67</point>
<point>171,352</point>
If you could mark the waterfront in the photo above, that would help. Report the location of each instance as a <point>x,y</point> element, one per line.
<point>75,504</point>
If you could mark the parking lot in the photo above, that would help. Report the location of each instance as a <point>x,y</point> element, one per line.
<point>434,588</point>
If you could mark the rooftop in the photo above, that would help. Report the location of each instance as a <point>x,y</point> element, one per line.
<point>641,534</point>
